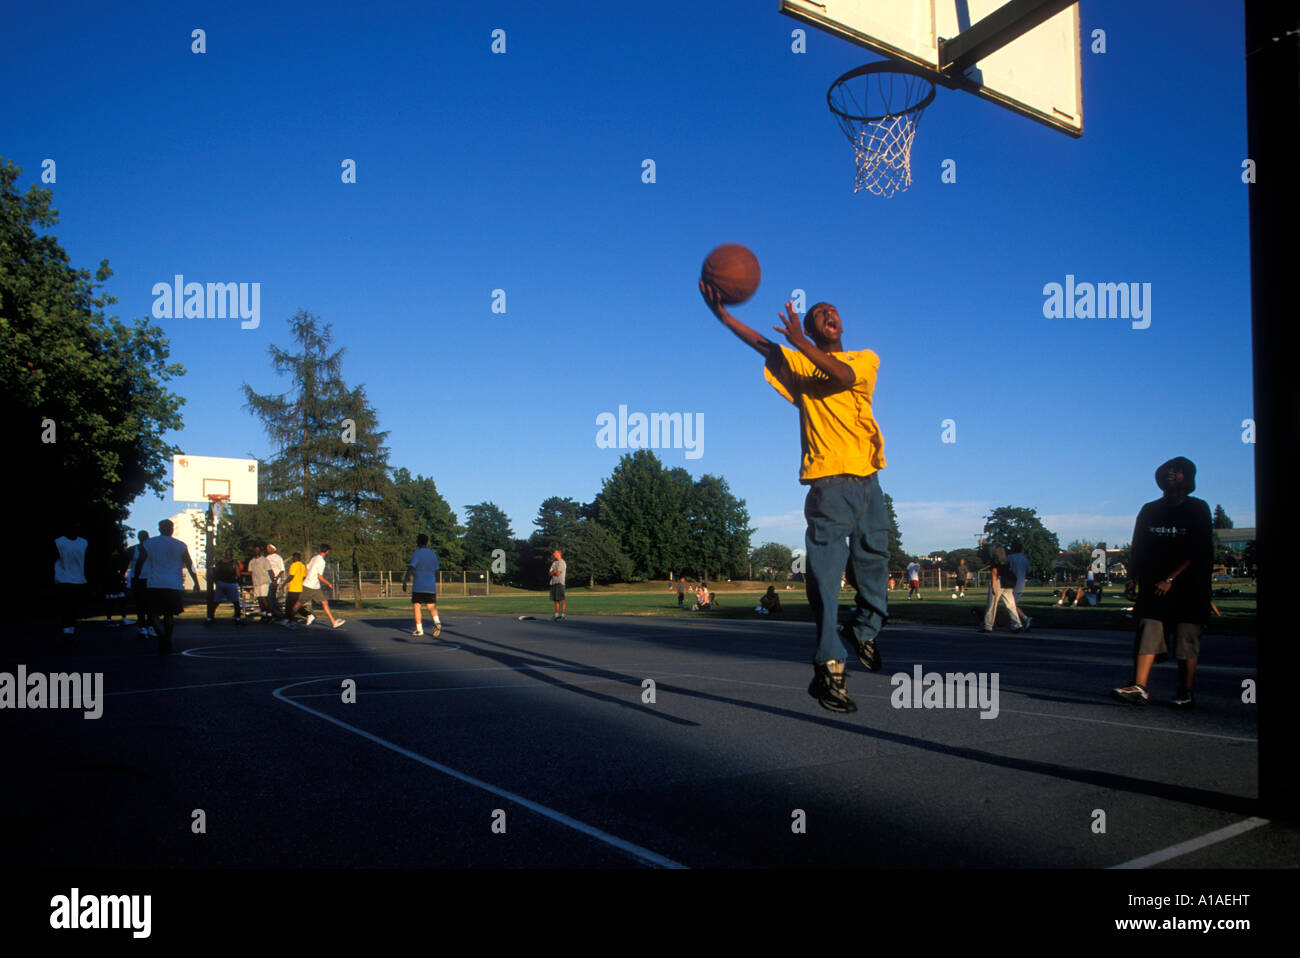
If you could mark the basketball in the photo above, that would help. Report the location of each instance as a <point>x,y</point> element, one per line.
<point>733,271</point>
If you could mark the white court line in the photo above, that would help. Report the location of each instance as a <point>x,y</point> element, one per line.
<point>633,683</point>
<point>636,851</point>
<point>1194,844</point>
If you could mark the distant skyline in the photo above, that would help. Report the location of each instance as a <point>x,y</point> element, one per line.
<point>502,275</point>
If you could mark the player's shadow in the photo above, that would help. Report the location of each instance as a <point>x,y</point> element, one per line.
<point>1188,795</point>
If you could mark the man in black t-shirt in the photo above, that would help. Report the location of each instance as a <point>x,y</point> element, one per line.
<point>226,577</point>
<point>1173,556</point>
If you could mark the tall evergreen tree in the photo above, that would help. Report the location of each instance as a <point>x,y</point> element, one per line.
<point>306,477</point>
<point>1221,520</point>
<point>898,559</point>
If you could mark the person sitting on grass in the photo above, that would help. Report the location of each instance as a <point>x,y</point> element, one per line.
<point>770,603</point>
<point>701,597</point>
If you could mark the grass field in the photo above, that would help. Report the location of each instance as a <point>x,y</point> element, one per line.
<point>737,601</point>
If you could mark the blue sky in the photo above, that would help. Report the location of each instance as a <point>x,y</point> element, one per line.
<point>523,172</point>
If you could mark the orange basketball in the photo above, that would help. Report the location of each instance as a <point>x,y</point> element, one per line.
<point>733,271</point>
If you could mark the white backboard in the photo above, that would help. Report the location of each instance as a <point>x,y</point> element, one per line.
<point>196,478</point>
<point>1038,74</point>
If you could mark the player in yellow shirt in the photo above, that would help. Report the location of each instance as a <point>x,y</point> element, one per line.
<point>293,592</point>
<point>842,453</point>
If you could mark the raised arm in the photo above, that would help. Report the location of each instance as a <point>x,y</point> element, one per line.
<point>750,337</point>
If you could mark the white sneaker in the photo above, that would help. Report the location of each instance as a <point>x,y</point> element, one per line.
<point>338,624</point>
<point>417,631</point>
<point>311,619</point>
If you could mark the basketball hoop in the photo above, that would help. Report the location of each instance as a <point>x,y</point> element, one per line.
<point>879,114</point>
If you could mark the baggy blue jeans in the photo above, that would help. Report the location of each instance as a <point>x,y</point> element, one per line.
<point>847,523</point>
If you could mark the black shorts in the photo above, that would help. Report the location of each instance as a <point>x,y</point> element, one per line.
<point>557,593</point>
<point>166,601</point>
<point>424,598</point>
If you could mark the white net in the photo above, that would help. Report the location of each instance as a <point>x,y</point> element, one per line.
<point>883,153</point>
<point>878,107</point>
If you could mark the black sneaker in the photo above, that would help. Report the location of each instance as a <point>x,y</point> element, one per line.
<point>828,689</point>
<point>868,654</point>
<point>1182,699</point>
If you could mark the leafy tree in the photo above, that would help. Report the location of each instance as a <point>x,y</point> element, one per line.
<point>1221,520</point>
<point>487,528</point>
<point>641,505</point>
<point>717,530</point>
<point>84,393</point>
<point>772,561</point>
<point>417,507</point>
<point>557,524</point>
<point>1006,523</point>
<point>595,554</point>
<point>898,559</point>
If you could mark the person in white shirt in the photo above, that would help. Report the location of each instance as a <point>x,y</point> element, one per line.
<point>275,567</point>
<point>311,591</point>
<point>423,569</point>
<point>69,580</point>
<point>914,579</point>
<point>259,570</point>
<point>169,559</point>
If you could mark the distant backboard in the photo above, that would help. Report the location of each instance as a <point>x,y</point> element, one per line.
<point>1038,74</point>
<point>199,478</point>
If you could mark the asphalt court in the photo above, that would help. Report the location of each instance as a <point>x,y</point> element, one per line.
<point>544,728</point>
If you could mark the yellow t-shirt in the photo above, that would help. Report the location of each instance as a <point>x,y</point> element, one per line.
<point>296,571</point>
<point>837,430</point>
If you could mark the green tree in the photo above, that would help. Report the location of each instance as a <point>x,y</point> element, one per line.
<point>898,559</point>
<point>487,528</point>
<point>642,505</point>
<point>84,393</point>
<point>1221,520</point>
<point>1007,523</point>
<point>365,483</point>
<point>772,562</point>
<point>596,556</point>
<point>304,484</point>
<point>717,530</point>
<point>417,507</point>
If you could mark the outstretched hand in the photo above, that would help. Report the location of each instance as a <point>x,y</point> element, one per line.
<point>791,328</point>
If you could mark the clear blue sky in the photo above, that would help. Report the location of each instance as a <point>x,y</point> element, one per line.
<point>523,172</point>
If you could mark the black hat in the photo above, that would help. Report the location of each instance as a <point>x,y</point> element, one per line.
<point>1183,464</point>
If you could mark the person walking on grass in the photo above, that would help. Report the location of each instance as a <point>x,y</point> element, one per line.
<point>423,569</point>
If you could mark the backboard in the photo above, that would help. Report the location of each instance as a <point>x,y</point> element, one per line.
<point>199,478</point>
<point>1037,74</point>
